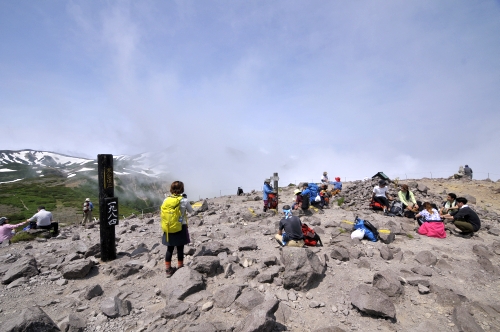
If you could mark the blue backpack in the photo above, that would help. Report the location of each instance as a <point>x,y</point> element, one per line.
<point>313,187</point>
<point>371,232</point>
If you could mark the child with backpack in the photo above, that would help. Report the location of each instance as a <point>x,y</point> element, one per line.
<point>174,225</point>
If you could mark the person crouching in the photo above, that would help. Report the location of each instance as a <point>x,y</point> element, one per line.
<point>290,230</point>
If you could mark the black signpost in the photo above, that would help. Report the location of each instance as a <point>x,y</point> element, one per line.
<point>108,207</point>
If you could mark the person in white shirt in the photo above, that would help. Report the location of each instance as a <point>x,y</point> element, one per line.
<point>381,196</point>
<point>324,179</point>
<point>44,220</point>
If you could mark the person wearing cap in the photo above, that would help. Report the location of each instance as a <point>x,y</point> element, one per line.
<point>337,186</point>
<point>290,230</point>
<point>6,229</point>
<point>298,200</point>
<point>266,190</point>
<point>381,196</point>
<point>87,211</point>
<point>324,179</point>
<point>44,220</point>
<point>468,172</point>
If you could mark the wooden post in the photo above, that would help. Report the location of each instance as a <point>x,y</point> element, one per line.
<point>275,178</point>
<point>108,207</point>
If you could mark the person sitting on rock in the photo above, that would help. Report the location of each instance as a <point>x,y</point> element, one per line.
<point>266,190</point>
<point>428,214</point>
<point>43,220</point>
<point>450,205</point>
<point>408,199</point>
<point>325,196</point>
<point>6,229</point>
<point>337,186</point>
<point>290,230</point>
<point>381,195</point>
<point>465,219</point>
<point>298,200</point>
<point>468,172</point>
<point>324,179</point>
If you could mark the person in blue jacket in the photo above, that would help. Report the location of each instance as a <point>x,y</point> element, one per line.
<point>266,190</point>
<point>310,189</point>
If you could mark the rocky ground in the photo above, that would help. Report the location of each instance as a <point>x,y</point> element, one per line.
<point>237,278</point>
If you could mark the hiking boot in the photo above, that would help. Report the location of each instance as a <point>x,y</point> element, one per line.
<point>170,272</point>
<point>465,235</point>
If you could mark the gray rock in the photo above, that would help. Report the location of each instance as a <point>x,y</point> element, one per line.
<point>385,253</point>
<point>418,281</point>
<point>464,320</point>
<point>372,301</point>
<point>139,251</point>
<point>92,291</point>
<point>481,250</point>
<point>77,269</point>
<point>261,319</point>
<point>73,323</point>
<point>208,265</point>
<point>283,313</point>
<point>423,290</point>
<point>388,282</point>
<point>423,270</point>
<point>226,295</point>
<point>271,260</point>
<point>184,282</point>
<point>122,272</point>
<point>249,273</point>
<point>249,299</point>
<point>80,247</point>
<point>174,309</point>
<point>94,250</point>
<point>72,257</point>
<point>23,267</point>
<point>329,329</point>
<point>494,231</point>
<point>340,254</point>
<point>248,243</point>
<point>75,237</point>
<point>203,207</point>
<point>354,253</point>
<point>31,319</point>
<point>303,268</point>
<point>212,249</point>
<point>18,282</point>
<point>447,297</point>
<point>470,199</point>
<point>426,258</point>
<point>135,263</point>
<point>114,307</point>
<point>387,237</point>
<point>486,265</point>
<point>364,263</point>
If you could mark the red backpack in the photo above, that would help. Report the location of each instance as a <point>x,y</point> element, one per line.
<point>310,237</point>
<point>272,201</point>
<point>376,205</point>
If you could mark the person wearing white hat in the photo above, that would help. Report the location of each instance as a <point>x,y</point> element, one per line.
<point>87,211</point>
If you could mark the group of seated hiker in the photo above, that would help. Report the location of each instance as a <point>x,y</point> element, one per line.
<point>311,194</point>
<point>431,220</point>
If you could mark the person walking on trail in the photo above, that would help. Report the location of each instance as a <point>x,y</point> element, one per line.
<point>6,229</point>
<point>175,225</point>
<point>87,211</point>
<point>290,230</point>
<point>44,220</point>
<point>468,172</point>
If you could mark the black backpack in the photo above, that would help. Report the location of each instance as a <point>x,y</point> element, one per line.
<point>305,202</point>
<point>396,209</point>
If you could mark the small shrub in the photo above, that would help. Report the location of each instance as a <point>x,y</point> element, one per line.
<point>22,236</point>
<point>409,236</point>
<point>341,230</point>
<point>340,201</point>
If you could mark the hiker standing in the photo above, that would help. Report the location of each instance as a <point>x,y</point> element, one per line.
<point>266,190</point>
<point>174,225</point>
<point>87,211</point>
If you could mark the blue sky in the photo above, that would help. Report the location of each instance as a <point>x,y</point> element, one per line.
<point>242,89</point>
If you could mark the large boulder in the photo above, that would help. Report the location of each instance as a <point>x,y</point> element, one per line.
<point>209,265</point>
<point>114,307</point>
<point>340,253</point>
<point>303,268</point>
<point>225,295</point>
<point>77,269</point>
<point>248,243</point>
<point>183,283</point>
<point>388,282</point>
<point>260,319</point>
<point>464,320</point>
<point>426,258</point>
<point>23,267</point>
<point>249,299</point>
<point>372,301</point>
<point>212,249</point>
<point>73,323</point>
<point>31,319</point>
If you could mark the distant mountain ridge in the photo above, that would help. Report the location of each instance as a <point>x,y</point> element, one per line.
<point>21,164</point>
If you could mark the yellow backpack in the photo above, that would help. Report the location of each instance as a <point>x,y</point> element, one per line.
<point>171,215</point>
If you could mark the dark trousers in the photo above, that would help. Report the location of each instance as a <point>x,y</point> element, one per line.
<point>53,225</point>
<point>170,251</point>
<point>382,200</point>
